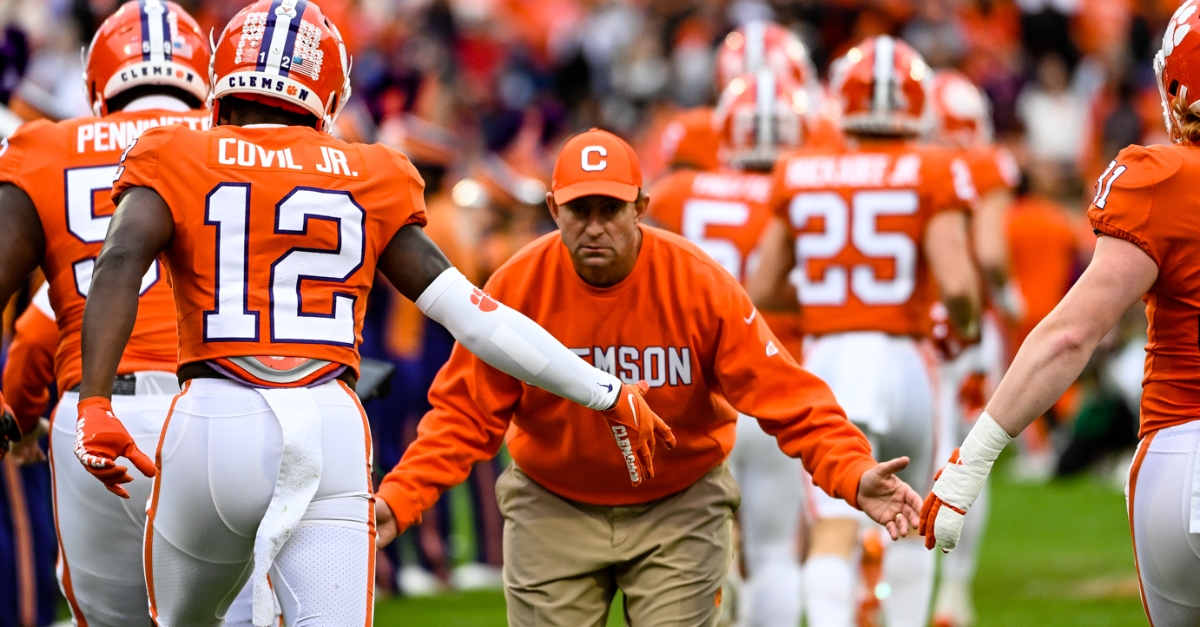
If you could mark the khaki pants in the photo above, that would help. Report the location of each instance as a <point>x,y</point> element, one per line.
<point>564,560</point>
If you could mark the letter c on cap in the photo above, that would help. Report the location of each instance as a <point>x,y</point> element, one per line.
<point>587,164</point>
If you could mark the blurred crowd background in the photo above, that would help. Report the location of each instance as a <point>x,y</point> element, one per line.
<point>481,93</point>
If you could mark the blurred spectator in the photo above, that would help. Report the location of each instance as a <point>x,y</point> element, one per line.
<point>1054,117</point>
<point>937,34</point>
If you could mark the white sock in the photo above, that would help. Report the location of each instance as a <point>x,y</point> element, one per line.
<point>908,572</point>
<point>771,594</point>
<point>829,591</point>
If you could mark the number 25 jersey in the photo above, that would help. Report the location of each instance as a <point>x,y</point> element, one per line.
<point>66,169</point>
<point>859,216</point>
<point>277,234</point>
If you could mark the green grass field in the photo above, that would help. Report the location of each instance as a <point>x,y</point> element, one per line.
<point>1056,555</point>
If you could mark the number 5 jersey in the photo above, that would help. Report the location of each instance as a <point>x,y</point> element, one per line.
<point>67,169</point>
<point>277,234</point>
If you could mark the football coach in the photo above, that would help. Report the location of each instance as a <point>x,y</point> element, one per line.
<point>647,305</point>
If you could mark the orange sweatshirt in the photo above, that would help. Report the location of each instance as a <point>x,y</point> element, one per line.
<point>29,370</point>
<point>680,322</point>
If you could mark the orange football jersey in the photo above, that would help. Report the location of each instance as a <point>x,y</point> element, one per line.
<point>724,213</point>
<point>67,169</point>
<point>677,321</point>
<point>859,216</point>
<point>992,168</point>
<point>1043,252</point>
<point>1147,196</point>
<point>277,234</point>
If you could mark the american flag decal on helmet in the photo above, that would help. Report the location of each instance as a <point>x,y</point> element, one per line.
<point>307,57</point>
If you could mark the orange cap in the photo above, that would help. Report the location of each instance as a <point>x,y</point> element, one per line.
<point>596,163</point>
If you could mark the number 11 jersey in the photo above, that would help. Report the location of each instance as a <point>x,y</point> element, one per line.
<point>277,234</point>
<point>858,215</point>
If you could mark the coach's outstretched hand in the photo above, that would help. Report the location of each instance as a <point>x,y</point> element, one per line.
<point>100,439</point>
<point>888,500</point>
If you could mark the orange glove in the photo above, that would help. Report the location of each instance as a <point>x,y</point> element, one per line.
<point>637,428</point>
<point>959,483</point>
<point>100,439</point>
<point>933,506</point>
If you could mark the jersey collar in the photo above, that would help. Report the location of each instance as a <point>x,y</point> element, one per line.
<point>157,102</point>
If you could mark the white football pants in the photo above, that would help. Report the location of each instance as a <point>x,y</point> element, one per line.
<point>770,518</point>
<point>100,534</point>
<point>888,386</point>
<point>220,455</point>
<point>1164,511</point>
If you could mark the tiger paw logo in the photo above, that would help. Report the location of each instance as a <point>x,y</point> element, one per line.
<point>482,300</point>
<point>1178,27</point>
<point>292,90</point>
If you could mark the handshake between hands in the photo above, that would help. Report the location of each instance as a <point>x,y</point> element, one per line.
<point>101,439</point>
<point>959,483</point>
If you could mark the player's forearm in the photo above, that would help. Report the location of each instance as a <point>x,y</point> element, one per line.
<point>108,318</point>
<point>22,240</point>
<point>989,236</point>
<point>953,270</point>
<point>512,343</point>
<point>1049,361</point>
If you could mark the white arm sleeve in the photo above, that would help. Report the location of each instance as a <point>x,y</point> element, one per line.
<point>514,344</point>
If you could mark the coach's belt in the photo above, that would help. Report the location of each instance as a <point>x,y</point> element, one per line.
<point>141,383</point>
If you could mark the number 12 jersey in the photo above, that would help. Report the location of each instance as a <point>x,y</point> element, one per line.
<point>277,234</point>
<point>859,216</point>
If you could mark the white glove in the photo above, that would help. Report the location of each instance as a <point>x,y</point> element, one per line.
<point>959,483</point>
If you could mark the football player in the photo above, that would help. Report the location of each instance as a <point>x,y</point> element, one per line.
<point>644,304</point>
<point>724,213</point>
<point>962,121</point>
<point>146,67</point>
<point>762,45</point>
<point>272,231</point>
<point>869,233</point>
<point>1147,215</point>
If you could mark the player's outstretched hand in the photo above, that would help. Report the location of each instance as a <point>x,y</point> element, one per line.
<point>637,429</point>
<point>100,439</point>
<point>888,500</point>
<point>386,528</point>
<point>942,518</point>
